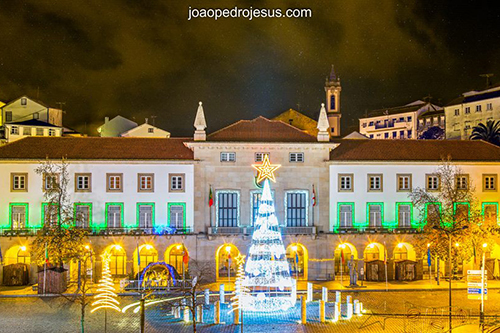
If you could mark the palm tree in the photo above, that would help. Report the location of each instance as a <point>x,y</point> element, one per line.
<point>489,132</point>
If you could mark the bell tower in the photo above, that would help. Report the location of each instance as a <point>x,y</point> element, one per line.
<point>332,89</point>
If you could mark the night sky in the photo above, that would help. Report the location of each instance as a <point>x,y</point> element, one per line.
<point>144,58</point>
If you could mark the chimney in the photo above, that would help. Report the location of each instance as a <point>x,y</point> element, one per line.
<point>323,125</point>
<point>146,120</point>
<point>106,120</point>
<point>200,125</point>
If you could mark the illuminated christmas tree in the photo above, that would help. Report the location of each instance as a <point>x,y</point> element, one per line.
<point>267,272</point>
<point>240,291</point>
<point>106,295</point>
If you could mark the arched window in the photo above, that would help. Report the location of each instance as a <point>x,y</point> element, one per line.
<point>118,263</point>
<point>174,256</point>
<point>225,262</point>
<point>374,251</point>
<point>296,255</point>
<point>17,254</point>
<point>400,253</point>
<point>148,254</point>
<point>343,254</point>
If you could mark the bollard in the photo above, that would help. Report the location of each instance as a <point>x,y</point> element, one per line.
<point>186,314</point>
<point>310,297</point>
<point>346,308</point>
<point>336,312</point>
<point>236,316</point>
<point>207,296</point>
<point>356,308</point>
<point>177,312</point>
<point>199,313</point>
<point>222,294</point>
<point>303,310</point>
<point>338,297</point>
<point>322,311</point>
<point>217,312</point>
<point>324,294</point>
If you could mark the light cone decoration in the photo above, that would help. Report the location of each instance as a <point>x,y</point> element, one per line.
<point>240,291</point>
<point>267,272</point>
<point>106,295</point>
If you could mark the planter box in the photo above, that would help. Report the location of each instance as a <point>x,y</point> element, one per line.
<point>55,280</point>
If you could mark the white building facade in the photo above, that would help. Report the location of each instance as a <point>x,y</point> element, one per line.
<point>470,109</point>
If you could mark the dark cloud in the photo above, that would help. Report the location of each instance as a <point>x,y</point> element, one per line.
<point>143,58</point>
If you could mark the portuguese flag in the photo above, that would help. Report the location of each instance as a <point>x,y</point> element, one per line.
<point>210,198</point>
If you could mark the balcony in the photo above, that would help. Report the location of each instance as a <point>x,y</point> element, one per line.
<point>248,230</point>
<point>377,230</point>
<point>105,231</point>
<point>18,232</point>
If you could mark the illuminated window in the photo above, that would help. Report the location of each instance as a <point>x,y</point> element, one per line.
<point>432,182</point>
<point>114,182</point>
<point>151,130</point>
<point>18,214</point>
<point>82,182</point>
<point>23,257</point>
<point>14,130</point>
<point>24,101</point>
<point>400,253</point>
<point>27,131</point>
<point>372,252</point>
<point>148,255</point>
<point>176,182</point>
<point>175,258</point>
<point>490,211</point>
<point>489,107</point>
<point>117,265</point>
<point>296,259</point>
<point>39,132</point>
<point>52,132</point>
<point>176,216</point>
<point>145,182</point>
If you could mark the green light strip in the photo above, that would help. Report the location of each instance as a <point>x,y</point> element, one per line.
<point>106,214</point>
<point>138,217</point>
<point>483,206</point>
<point>88,204</point>
<point>183,204</point>
<point>26,213</point>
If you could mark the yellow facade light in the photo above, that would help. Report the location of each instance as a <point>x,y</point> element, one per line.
<point>87,247</point>
<point>23,248</point>
<point>178,247</point>
<point>371,246</point>
<point>457,244</point>
<point>294,248</point>
<point>228,248</point>
<point>428,244</point>
<point>400,245</point>
<point>485,245</point>
<point>342,246</point>
<point>148,247</point>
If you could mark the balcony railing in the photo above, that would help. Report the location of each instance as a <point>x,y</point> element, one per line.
<point>373,230</point>
<point>9,232</point>
<point>248,230</point>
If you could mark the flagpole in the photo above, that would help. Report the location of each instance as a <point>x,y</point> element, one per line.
<point>45,269</point>
<point>385,264</point>
<point>313,204</point>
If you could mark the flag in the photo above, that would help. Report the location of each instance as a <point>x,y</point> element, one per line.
<point>210,198</point>
<point>342,256</point>
<point>46,254</point>
<point>385,256</point>
<point>296,258</point>
<point>138,256</point>
<point>474,249</point>
<point>1,258</point>
<point>185,257</point>
<point>314,197</point>
<point>429,259</point>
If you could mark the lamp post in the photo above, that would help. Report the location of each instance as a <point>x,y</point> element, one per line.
<point>485,245</point>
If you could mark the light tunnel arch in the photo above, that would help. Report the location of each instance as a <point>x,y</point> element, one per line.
<point>225,263</point>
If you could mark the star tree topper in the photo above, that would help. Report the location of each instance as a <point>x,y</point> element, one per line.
<point>266,170</point>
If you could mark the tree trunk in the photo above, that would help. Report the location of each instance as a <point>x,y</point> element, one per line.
<point>82,321</point>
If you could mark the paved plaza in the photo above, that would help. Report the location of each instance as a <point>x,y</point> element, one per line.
<point>394,311</point>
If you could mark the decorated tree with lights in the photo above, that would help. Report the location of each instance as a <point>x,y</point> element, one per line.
<point>106,297</point>
<point>267,272</point>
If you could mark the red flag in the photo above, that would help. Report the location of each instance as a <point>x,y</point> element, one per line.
<point>314,197</point>
<point>210,198</point>
<point>185,258</point>
<point>342,256</point>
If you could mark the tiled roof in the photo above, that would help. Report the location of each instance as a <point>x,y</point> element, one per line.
<point>261,129</point>
<point>96,148</point>
<point>414,150</point>
<point>299,120</point>
<point>477,96</point>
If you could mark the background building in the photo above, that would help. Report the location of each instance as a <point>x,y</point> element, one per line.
<point>400,122</point>
<point>470,109</point>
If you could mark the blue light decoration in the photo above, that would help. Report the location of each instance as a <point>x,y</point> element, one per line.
<point>170,269</point>
<point>164,230</point>
<point>267,271</point>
